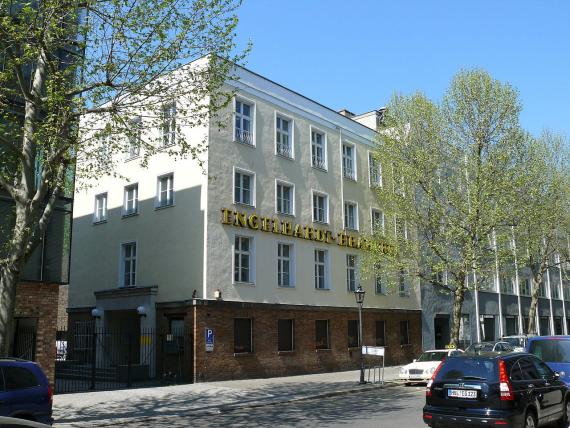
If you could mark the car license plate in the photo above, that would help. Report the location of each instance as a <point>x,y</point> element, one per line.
<point>462,393</point>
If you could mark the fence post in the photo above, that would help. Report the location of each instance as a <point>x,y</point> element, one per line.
<point>129,360</point>
<point>93,357</point>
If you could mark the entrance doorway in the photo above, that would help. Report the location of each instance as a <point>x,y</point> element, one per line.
<point>441,331</point>
<point>488,326</point>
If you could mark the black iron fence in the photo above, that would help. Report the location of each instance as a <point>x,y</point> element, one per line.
<point>92,358</point>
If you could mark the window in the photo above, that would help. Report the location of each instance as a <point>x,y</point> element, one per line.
<point>403,288</point>
<point>100,208</point>
<point>380,333</point>
<point>404,332</point>
<point>554,289</point>
<point>542,289</point>
<point>379,285</point>
<point>131,204</point>
<point>525,287</point>
<point>134,143</point>
<point>377,222</point>
<point>243,188</point>
<point>322,336</point>
<point>129,264</point>
<point>350,216</point>
<point>285,335</point>
<point>318,150</point>
<point>284,264</point>
<point>168,127</point>
<point>283,137</point>
<point>506,284</point>
<point>243,123</point>
<point>18,378</point>
<point>401,228</point>
<point>165,191</point>
<point>320,208</point>
<point>242,259</point>
<point>353,333</point>
<point>348,164</point>
<point>321,261</point>
<point>285,196</point>
<point>243,335</point>
<point>375,171</point>
<point>350,272</point>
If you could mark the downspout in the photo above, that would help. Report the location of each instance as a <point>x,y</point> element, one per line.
<point>550,302</point>
<point>517,279</point>
<point>498,285</point>
<point>477,315</point>
<point>561,286</point>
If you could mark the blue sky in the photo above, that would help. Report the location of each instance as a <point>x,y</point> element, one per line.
<point>356,54</point>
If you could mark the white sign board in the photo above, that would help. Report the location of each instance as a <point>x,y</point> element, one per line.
<point>373,350</point>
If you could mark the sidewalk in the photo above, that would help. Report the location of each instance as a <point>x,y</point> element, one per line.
<point>92,409</point>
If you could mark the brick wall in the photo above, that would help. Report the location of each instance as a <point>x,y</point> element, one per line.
<point>40,301</point>
<point>266,361</point>
<point>63,299</point>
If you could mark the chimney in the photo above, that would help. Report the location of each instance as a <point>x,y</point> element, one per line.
<point>346,113</point>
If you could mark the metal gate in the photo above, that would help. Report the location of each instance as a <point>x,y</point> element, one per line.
<point>92,358</point>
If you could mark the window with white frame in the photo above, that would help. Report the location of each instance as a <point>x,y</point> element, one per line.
<point>350,216</point>
<point>284,265</point>
<point>348,161</point>
<point>242,259</point>
<point>283,137</point>
<point>318,150</point>
<point>401,228</point>
<point>403,287</point>
<point>350,272</point>
<point>379,284</point>
<point>128,264</point>
<point>377,222</point>
<point>555,289</point>
<point>244,122</point>
<point>542,289</point>
<point>320,207</point>
<point>321,267</point>
<point>243,187</point>
<point>100,213</point>
<point>285,196</point>
<point>131,199</point>
<point>506,284</point>
<point>168,126</point>
<point>524,285</point>
<point>165,191</point>
<point>134,138</point>
<point>375,171</point>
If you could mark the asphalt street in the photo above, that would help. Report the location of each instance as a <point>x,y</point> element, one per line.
<point>382,408</point>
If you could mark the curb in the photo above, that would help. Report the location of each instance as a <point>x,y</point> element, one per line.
<point>219,409</point>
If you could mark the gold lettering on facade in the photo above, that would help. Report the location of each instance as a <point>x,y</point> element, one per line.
<point>309,233</point>
<point>342,241</point>
<point>265,224</point>
<point>276,224</point>
<point>330,237</point>
<point>240,219</point>
<point>352,242</point>
<point>252,221</point>
<point>321,235</point>
<point>227,216</point>
<point>286,228</point>
<point>298,231</point>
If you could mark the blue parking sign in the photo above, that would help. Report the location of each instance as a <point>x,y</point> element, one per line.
<point>209,339</point>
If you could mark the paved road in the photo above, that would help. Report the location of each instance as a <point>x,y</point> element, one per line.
<point>383,408</point>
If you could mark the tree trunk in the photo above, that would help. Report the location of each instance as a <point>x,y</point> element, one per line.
<point>536,279</point>
<point>8,280</point>
<point>458,297</point>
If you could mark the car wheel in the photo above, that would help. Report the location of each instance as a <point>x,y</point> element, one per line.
<point>564,420</point>
<point>530,420</point>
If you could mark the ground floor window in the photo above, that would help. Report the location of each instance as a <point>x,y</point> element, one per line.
<point>526,321</point>
<point>464,331</point>
<point>558,325</point>
<point>380,333</point>
<point>488,327</point>
<point>285,335</point>
<point>511,325</point>
<point>404,332</point>
<point>322,334</point>
<point>544,324</point>
<point>243,335</point>
<point>353,333</point>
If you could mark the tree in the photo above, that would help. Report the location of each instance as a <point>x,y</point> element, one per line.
<point>447,171</point>
<point>70,60</point>
<point>541,214</point>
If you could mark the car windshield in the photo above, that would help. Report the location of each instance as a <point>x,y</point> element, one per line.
<point>432,356</point>
<point>480,347</point>
<point>514,341</point>
<point>468,368</point>
<point>551,350</point>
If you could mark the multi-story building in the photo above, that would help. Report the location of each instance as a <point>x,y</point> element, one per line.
<point>499,307</point>
<point>261,245</point>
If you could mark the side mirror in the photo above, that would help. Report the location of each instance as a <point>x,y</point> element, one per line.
<point>556,376</point>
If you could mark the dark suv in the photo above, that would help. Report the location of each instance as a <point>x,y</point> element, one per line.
<point>24,391</point>
<point>508,390</point>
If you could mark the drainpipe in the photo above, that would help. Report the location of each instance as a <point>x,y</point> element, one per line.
<point>498,285</point>
<point>561,285</point>
<point>550,302</point>
<point>517,279</point>
<point>476,296</point>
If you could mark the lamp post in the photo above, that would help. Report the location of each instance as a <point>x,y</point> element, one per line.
<point>359,295</point>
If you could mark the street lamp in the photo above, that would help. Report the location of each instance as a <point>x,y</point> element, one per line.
<point>359,295</point>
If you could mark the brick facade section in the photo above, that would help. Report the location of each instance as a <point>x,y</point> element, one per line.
<point>266,361</point>
<point>40,301</point>
<point>63,299</point>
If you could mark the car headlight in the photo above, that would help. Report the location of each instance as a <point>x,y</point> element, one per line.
<point>432,370</point>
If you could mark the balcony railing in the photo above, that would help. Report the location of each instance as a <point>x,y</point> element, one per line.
<point>244,136</point>
<point>349,173</point>
<point>318,162</point>
<point>284,150</point>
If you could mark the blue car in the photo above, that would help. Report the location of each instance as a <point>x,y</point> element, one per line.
<point>25,392</point>
<point>554,351</point>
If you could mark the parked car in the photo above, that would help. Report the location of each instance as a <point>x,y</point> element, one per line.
<point>24,391</point>
<point>490,389</point>
<point>482,347</point>
<point>554,351</point>
<point>518,342</point>
<point>423,367</point>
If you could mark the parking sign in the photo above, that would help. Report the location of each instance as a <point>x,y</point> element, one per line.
<point>209,339</point>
